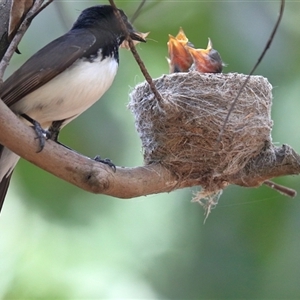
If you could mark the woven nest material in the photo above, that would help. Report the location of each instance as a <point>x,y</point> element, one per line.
<point>181,132</point>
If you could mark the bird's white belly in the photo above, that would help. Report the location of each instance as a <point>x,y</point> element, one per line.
<point>69,93</point>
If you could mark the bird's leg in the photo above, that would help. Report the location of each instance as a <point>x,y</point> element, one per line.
<point>54,130</point>
<point>41,133</point>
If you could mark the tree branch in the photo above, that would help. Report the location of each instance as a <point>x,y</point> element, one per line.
<point>79,170</point>
<point>98,178</point>
<point>4,20</point>
<point>273,162</point>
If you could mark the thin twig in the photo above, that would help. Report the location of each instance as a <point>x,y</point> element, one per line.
<point>137,12</point>
<point>136,55</point>
<point>254,68</point>
<point>42,7</point>
<point>35,9</point>
<point>281,189</point>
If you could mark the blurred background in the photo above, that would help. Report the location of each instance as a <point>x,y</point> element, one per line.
<point>59,242</point>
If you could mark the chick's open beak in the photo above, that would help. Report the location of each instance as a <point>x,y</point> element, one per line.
<point>206,60</point>
<point>181,37</point>
<point>180,60</point>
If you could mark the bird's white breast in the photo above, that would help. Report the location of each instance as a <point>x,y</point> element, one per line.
<point>70,93</point>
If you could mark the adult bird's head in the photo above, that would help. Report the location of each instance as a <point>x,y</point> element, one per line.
<point>103,18</point>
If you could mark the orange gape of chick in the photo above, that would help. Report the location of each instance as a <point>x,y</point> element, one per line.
<point>183,56</point>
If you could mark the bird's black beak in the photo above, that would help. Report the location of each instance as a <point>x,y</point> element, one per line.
<point>138,36</point>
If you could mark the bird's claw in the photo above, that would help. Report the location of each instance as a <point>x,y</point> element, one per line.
<point>41,133</point>
<point>105,161</point>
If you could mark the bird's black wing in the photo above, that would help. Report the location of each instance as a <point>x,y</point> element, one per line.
<point>47,63</point>
<point>39,69</point>
<point>3,187</point>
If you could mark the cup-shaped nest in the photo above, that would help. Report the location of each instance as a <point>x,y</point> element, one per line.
<point>182,132</point>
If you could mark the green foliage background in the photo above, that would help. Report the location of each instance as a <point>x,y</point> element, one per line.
<point>59,242</point>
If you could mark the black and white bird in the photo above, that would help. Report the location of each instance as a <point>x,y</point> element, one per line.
<point>66,77</point>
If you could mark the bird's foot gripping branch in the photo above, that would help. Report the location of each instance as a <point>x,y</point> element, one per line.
<point>181,133</point>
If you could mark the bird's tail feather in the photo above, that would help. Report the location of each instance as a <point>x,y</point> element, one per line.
<point>3,189</point>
